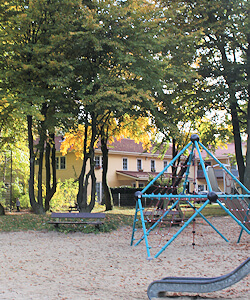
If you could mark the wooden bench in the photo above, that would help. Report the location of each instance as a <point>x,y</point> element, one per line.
<point>86,218</point>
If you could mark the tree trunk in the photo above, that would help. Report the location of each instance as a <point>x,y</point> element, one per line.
<point>230,77</point>
<point>82,192</point>
<point>50,160</point>
<point>82,196</point>
<point>92,164</point>
<point>106,190</point>
<point>38,209</point>
<point>247,169</point>
<point>2,212</point>
<point>40,169</point>
<point>237,139</point>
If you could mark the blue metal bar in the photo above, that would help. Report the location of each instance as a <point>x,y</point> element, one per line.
<point>158,221</point>
<point>205,219</point>
<point>135,220</point>
<point>221,165</point>
<point>182,228</point>
<point>165,169</point>
<point>188,169</point>
<point>144,227</point>
<point>234,196</point>
<point>228,211</point>
<point>203,167</point>
<point>184,197</point>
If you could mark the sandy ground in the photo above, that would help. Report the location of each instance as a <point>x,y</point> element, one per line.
<point>54,265</point>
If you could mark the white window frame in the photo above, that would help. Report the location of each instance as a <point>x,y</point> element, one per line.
<point>165,163</point>
<point>98,161</point>
<point>59,162</point>
<point>152,165</point>
<point>125,163</point>
<point>137,164</point>
<point>98,186</point>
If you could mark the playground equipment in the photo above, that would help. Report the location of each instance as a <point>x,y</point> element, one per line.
<point>166,205</point>
<point>198,285</point>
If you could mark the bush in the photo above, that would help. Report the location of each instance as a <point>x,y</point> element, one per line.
<point>2,192</point>
<point>24,201</point>
<point>65,196</point>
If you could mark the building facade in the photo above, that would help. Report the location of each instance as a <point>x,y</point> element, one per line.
<point>130,165</point>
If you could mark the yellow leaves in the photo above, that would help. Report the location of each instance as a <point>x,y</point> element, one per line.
<point>139,129</point>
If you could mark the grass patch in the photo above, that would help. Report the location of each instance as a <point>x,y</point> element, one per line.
<point>211,210</point>
<point>118,217</point>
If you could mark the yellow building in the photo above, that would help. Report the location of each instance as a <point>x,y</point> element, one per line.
<point>130,165</point>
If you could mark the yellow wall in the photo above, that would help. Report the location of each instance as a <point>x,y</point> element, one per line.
<point>73,168</point>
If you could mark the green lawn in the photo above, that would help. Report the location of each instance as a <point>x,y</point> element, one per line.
<point>119,216</point>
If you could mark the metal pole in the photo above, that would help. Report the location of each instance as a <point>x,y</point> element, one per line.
<point>10,179</point>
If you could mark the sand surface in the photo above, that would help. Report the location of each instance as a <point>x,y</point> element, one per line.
<point>54,265</point>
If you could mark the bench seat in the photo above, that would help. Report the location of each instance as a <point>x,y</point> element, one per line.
<point>86,218</point>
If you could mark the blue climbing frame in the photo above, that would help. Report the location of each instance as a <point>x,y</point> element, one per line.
<point>210,197</point>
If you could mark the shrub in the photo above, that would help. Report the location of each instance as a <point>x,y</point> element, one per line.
<point>65,196</point>
<point>24,201</point>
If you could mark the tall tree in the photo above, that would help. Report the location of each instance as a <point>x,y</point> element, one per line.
<point>223,61</point>
<point>36,64</point>
<point>118,68</point>
<point>219,53</point>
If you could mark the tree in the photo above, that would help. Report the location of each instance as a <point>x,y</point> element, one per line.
<point>118,70</point>
<point>36,64</point>
<point>218,54</point>
<point>222,52</point>
<point>224,62</point>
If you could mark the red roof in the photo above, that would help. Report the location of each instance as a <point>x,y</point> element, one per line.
<point>128,145</point>
<point>124,145</point>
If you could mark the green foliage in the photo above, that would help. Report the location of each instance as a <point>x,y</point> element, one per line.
<point>2,192</point>
<point>65,196</point>
<point>24,201</point>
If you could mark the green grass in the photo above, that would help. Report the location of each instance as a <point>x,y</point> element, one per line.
<point>118,217</point>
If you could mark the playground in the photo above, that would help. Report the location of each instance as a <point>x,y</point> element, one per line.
<point>55,265</point>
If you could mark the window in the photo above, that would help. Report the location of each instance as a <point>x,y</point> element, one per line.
<point>202,188</point>
<point>207,163</point>
<point>152,165</point>
<point>99,192</point>
<point>98,162</point>
<point>125,164</point>
<point>61,163</point>
<point>139,165</point>
<point>165,163</point>
<point>141,185</point>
